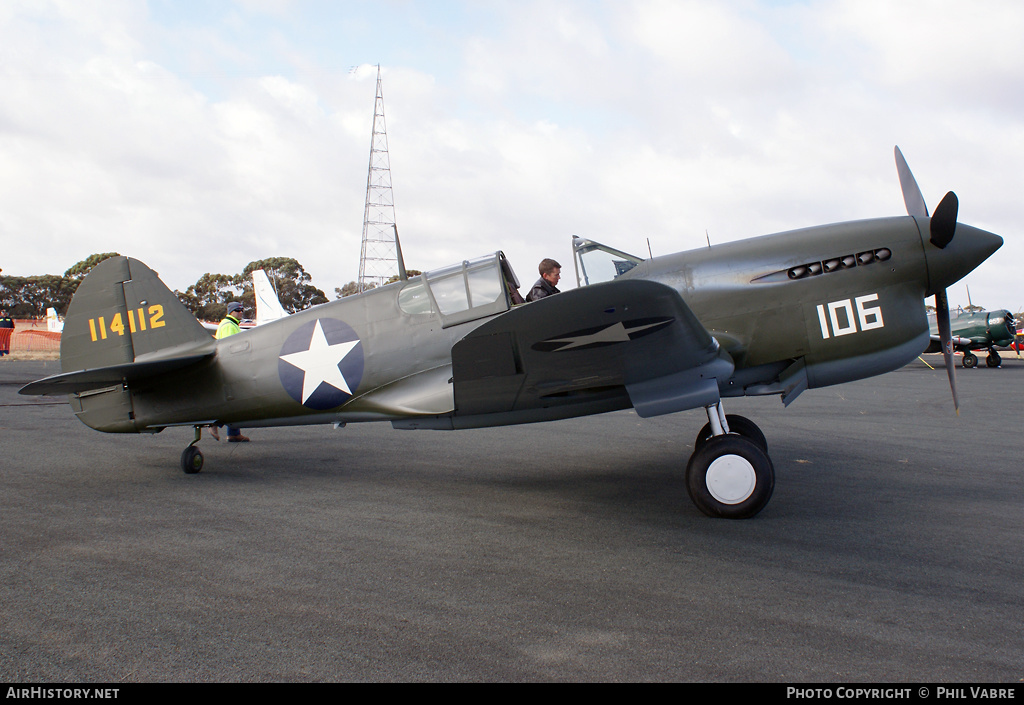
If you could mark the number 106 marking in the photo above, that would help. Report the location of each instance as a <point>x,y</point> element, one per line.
<point>868,316</point>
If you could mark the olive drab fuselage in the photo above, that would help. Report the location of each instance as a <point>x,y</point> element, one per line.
<point>795,310</point>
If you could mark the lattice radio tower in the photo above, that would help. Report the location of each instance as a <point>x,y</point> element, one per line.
<point>378,260</point>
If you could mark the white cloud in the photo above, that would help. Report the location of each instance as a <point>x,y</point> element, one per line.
<point>522,125</point>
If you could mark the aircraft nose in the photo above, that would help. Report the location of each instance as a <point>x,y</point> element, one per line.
<point>969,247</point>
<point>1011,325</point>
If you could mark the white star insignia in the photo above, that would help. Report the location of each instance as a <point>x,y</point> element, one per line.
<point>320,363</point>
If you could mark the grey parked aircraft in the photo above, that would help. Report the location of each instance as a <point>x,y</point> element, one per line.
<point>448,349</point>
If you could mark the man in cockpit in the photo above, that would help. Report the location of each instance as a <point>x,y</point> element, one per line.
<point>550,273</point>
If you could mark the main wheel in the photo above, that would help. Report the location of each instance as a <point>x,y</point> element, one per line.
<point>191,460</point>
<point>730,477</point>
<point>993,359</point>
<point>739,425</point>
<point>970,360</point>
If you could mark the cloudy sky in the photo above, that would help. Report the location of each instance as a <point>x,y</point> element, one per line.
<point>199,136</point>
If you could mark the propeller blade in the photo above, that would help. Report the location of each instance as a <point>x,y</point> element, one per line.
<point>943,223</point>
<point>1018,339</point>
<point>942,318</point>
<point>911,191</point>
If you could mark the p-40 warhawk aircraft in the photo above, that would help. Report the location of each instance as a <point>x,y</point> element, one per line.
<point>448,349</point>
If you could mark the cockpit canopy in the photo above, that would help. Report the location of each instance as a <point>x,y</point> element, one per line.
<point>597,263</point>
<point>462,292</point>
<point>484,286</point>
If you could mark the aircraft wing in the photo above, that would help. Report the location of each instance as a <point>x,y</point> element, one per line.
<point>957,340</point>
<point>959,344</point>
<point>620,343</point>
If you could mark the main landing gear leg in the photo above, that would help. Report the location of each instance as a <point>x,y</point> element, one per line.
<point>730,474</point>
<point>191,457</point>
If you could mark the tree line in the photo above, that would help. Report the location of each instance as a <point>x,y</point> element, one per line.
<point>209,296</point>
<point>207,299</point>
<point>30,296</point>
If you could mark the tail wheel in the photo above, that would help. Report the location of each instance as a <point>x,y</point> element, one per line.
<point>191,460</point>
<point>739,425</point>
<point>730,476</point>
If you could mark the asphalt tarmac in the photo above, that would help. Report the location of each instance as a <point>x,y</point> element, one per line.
<point>569,551</point>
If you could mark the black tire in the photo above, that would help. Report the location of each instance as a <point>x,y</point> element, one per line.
<point>191,460</point>
<point>739,425</point>
<point>993,359</point>
<point>730,477</point>
<point>970,360</point>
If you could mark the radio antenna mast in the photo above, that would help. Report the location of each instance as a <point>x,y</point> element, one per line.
<point>378,259</point>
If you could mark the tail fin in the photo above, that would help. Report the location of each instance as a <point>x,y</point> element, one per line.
<point>53,322</point>
<point>123,313</point>
<point>268,306</point>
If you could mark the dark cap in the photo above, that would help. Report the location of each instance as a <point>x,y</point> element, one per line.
<point>234,306</point>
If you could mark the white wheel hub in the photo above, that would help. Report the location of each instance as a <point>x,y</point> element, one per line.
<point>731,479</point>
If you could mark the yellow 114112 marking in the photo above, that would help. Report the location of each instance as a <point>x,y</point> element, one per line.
<point>136,322</point>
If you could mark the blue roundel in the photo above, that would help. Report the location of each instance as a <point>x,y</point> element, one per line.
<point>321,363</point>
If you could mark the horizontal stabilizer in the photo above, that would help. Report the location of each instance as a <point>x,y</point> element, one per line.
<point>123,326</point>
<point>101,377</point>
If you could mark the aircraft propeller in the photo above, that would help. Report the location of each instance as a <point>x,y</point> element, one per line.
<point>942,228</point>
<point>1018,321</point>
